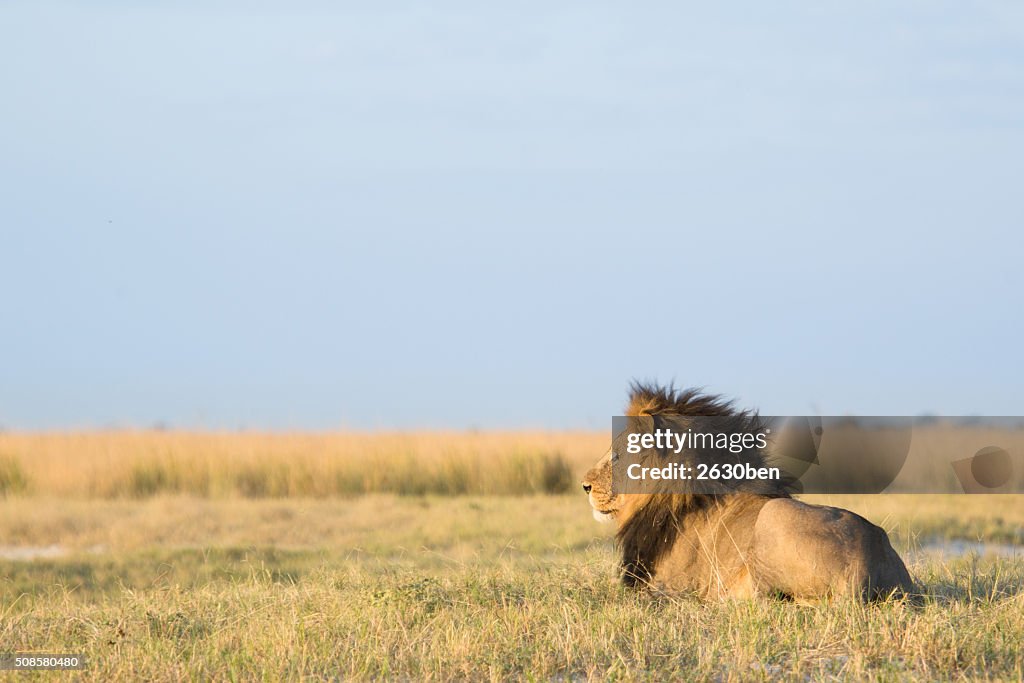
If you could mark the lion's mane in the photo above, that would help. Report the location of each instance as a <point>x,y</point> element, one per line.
<point>652,529</point>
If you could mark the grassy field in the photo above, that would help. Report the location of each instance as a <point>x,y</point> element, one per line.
<point>253,465</point>
<point>232,586</point>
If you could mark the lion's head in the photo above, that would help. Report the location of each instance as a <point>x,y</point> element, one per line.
<point>647,523</point>
<point>646,401</point>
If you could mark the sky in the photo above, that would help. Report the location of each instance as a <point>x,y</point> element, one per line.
<point>407,215</point>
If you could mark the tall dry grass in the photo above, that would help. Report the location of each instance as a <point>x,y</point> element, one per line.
<point>147,463</point>
<point>140,464</point>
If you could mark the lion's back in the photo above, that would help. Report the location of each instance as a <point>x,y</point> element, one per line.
<point>810,551</point>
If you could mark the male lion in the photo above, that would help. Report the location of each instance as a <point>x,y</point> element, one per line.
<point>742,543</point>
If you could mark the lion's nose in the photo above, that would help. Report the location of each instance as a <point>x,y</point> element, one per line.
<point>586,488</point>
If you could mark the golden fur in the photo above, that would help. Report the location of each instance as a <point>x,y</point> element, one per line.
<point>744,542</point>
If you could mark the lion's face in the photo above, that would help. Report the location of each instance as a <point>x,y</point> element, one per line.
<point>597,483</point>
<point>598,487</point>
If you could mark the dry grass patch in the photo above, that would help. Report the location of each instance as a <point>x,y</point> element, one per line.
<point>145,464</point>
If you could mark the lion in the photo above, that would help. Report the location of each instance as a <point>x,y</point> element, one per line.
<point>743,543</point>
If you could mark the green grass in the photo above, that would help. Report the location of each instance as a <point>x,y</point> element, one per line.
<point>12,477</point>
<point>443,588</point>
<point>244,615</point>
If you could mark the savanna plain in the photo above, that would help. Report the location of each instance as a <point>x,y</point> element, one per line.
<point>438,556</point>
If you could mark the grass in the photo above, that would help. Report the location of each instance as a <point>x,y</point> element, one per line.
<point>252,465</point>
<point>275,575</point>
<point>142,464</point>
<point>466,587</point>
<point>12,477</point>
<point>270,615</point>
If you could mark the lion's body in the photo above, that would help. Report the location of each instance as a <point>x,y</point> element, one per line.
<point>742,544</point>
<point>749,545</point>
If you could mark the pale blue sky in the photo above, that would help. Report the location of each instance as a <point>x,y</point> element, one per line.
<point>451,215</point>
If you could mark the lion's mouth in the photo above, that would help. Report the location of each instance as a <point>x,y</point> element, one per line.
<point>602,514</point>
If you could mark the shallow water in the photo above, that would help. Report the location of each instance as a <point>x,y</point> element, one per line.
<point>953,548</point>
<point>31,552</point>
